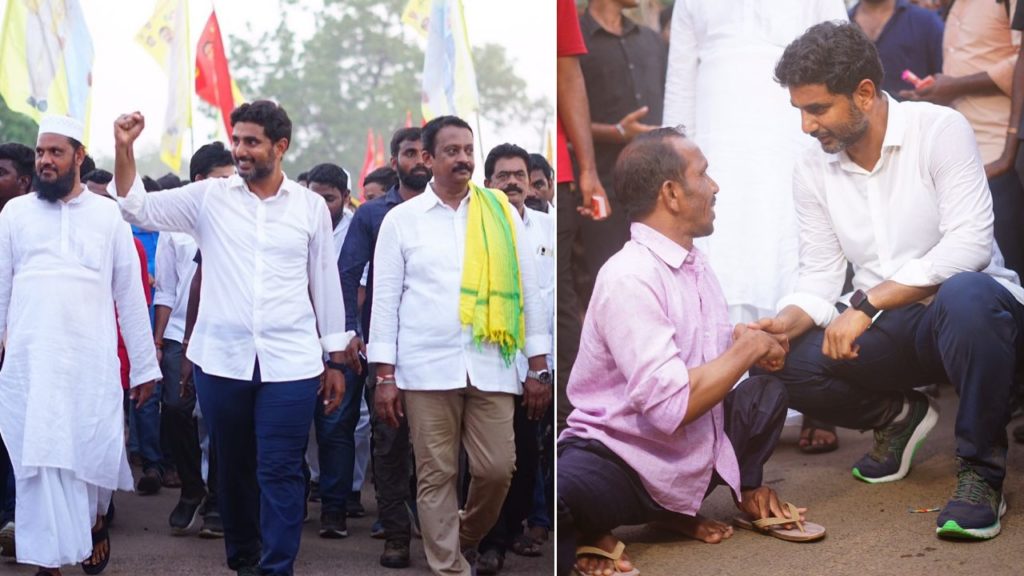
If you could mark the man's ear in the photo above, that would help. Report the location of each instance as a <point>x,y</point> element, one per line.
<point>428,159</point>
<point>281,146</point>
<point>864,94</point>
<point>670,194</point>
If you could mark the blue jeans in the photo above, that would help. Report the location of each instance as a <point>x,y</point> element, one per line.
<point>972,335</point>
<point>145,422</point>
<point>259,431</point>
<point>335,435</point>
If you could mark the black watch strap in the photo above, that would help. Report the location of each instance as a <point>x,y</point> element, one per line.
<point>859,301</point>
<point>335,365</point>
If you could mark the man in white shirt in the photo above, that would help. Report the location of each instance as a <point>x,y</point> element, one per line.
<point>506,168</point>
<point>899,191</point>
<point>270,308</point>
<point>175,267</point>
<point>60,386</point>
<point>458,388</point>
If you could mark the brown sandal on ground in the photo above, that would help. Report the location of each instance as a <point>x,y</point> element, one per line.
<point>810,427</point>
<point>775,527</point>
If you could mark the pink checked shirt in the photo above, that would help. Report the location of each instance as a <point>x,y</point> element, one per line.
<point>656,309</point>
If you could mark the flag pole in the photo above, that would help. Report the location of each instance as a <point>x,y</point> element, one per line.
<point>192,83</point>
<point>480,135</point>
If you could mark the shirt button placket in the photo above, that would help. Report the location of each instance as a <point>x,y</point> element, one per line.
<point>258,266</point>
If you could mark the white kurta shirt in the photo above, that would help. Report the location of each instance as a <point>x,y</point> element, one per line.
<point>417,276</point>
<point>921,215</point>
<point>720,53</point>
<point>540,231</point>
<point>175,267</point>
<point>270,281</point>
<point>64,267</point>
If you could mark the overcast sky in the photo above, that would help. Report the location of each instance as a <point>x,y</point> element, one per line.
<point>126,78</point>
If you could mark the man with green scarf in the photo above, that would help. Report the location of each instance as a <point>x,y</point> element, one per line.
<point>455,296</point>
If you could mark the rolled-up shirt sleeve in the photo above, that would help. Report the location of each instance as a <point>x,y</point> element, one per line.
<point>166,274</point>
<point>325,285</point>
<point>388,279</point>
<point>642,341</point>
<point>822,262</point>
<point>965,209</point>
<point>174,210</point>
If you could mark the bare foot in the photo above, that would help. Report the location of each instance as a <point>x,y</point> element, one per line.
<point>101,549</point>
<point>598,566</point>
<point>698,528</point>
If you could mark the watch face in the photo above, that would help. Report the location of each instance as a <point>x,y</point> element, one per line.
<point>858,299</point>
<point>544,377</point>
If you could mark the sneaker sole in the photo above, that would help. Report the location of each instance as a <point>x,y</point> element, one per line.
<point>916,439</point>
<point>953,531</point>
<point>334,534</point>
<point>7,545</point>
<point>210,534</point>
<point>192,524</point>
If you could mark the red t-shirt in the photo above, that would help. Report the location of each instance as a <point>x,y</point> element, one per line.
<point>570,43</point>
<point>122,352</point>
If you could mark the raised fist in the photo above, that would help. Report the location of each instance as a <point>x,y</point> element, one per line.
<point>127,128</point>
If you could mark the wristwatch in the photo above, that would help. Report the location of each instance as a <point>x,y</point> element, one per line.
<point>859,301</point>
<point>335,365</point>
<point>542,376</point>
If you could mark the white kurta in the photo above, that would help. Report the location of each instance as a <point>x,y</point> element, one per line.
<point>720,86</point>
<point>63,268</point>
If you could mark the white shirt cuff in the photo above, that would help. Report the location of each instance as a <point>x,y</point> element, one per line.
<point>381,353</point>
<point>336,342</point>
<point>820,310</point>
<point>537,345</point>
<point>132,202</point>
<point>140,379</point>
<point>918,273</point>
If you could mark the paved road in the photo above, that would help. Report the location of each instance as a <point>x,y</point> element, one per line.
<point>142,544</point>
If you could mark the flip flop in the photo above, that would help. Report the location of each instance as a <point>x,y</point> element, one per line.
<point>615,555</point>
<point>804,532</point>
<point>812,426</point>
<point>103,534</point>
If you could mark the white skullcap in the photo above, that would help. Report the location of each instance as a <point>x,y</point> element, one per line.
<point>63,125</point>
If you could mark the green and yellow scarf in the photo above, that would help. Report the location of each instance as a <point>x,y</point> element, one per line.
<point>491,299</point>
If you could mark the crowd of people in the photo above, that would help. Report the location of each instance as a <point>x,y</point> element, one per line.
<point>842,276</point>
<point>299,343</point>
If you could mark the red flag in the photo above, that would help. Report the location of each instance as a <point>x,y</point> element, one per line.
<point>408,119</point>
<point>368,163</point>
<point>213,80</point>
<point>379,158</point>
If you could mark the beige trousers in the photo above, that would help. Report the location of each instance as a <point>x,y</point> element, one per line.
<point>439,423</point>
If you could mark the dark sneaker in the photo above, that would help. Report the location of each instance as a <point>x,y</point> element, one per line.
<point>212,525</point>
<point>249,571</point>
<point>896,443</point>
<point>185,515</point>
<point>150,482</point>
<point>332,525</point>
<point>490,562</point>
<point>377,530</point>
<point>396,554</point>
<point>974,511</point>
<point>7,539</point>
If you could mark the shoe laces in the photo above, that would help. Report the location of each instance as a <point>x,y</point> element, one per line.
<point>971,487</point>
<point>880,450</point>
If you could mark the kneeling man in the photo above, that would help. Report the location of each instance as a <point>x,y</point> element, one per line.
<point>657,424</point>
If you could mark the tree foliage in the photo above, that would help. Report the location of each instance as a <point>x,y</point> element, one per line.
<point>359,69</point>
<point>16,127</point>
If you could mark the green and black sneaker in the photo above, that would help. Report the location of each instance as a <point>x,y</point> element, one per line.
<point>974,511</point>
<point>895,444</point>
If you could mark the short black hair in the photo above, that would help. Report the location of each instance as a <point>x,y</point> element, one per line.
<point>643,166</point>
<point>269,115</point>
<point>505,150</point>
<point>385,176</point>
<point>430,131</point>
<point>330,175</point>
<point>88,165</point>
<point>208,157</point>
<point>411,134</point>
<point>99,176</point>
<point>538,162</point>
<point>839,56</point>
<point>23,158</point>
<point>169,181</point>
<point>302,177</point>
<point>150,185</point>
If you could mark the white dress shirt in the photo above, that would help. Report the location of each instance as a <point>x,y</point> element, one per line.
<point>922,215</point>
<point>341,231</point>
<point>270,282</point>
<point>540,231</point>
<point>417,280</point>
<point>175,267</point>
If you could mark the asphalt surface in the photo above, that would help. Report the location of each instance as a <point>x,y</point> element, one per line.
<point>142,544</point>
<point>870,530</point>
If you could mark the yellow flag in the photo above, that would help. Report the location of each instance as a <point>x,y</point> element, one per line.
<point>165,37</point>
<point>549,152</point>
<point>417,16</point>
<point>46,59</point>
<point>449,80</point>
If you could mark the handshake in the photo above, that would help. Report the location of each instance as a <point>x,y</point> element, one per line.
<point>767,340</point>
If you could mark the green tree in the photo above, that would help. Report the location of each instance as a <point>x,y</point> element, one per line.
<point>16,127</point>
<point>360,69</point>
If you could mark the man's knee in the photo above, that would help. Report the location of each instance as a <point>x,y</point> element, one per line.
<point>496,473</point>
<point>968,298</point>
<point>761,393</point>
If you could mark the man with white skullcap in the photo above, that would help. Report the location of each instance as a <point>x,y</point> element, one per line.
<point>67,261</point>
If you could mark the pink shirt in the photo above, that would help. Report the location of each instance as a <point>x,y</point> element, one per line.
<point>656,309</point>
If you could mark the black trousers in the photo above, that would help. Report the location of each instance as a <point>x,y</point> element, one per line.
<point>1008,210</point>
<point>598,492</point>
<point>392,476</point>
<point>569,324</point>
<point>970,335</point>
<point>178,426</point>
